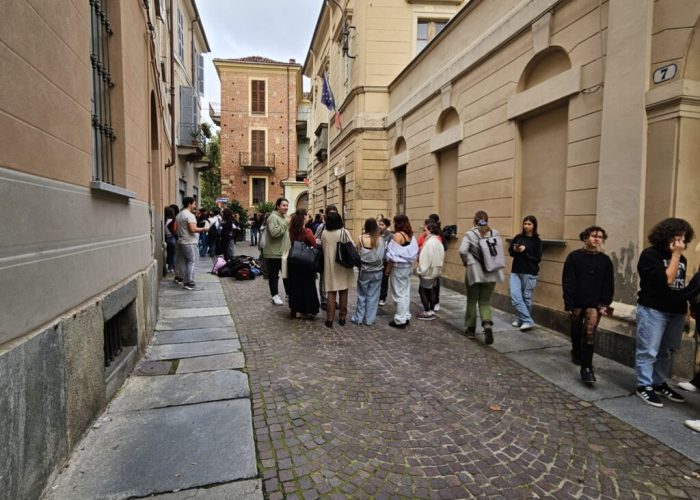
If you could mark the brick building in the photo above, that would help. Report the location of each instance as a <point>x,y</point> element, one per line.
<point>259,99</point>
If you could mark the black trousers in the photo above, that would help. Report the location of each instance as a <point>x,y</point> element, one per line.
<point>274,266</point>
<point>584,323</point>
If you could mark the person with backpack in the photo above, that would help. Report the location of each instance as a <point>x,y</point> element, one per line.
<point>588,283</point>
<point>526,250</point>
<point>484,270</point>
<point>371,248</point>
<point>227,235</point>
<point>430,262</point>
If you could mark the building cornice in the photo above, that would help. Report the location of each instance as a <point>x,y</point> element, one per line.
<point>518,20</point>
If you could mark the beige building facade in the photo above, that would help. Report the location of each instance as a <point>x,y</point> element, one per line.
<point>578,112</point>
<point>85,149</point>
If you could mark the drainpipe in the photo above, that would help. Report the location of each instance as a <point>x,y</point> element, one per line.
<point>288,128</point>
<point>171,162</point>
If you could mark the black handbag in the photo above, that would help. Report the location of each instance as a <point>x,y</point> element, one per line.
<point>303,257</point>
<point>346,254</point>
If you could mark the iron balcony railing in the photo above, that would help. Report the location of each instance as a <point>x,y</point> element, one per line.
<point>215,112</point>
<point>253,160</point>
<point>191,135</point>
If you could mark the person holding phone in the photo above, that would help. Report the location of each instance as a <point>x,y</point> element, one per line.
<point>661,308</point>
<point>526,250</point>
<point>588,283</point>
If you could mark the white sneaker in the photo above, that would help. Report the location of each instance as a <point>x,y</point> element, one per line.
<point>687,386</point>
<point>515,323</point>
<point>436,308</point>
<point>526,326</point>
<point>382,302</point>
<point>693,424</point>
<point>277,300</point>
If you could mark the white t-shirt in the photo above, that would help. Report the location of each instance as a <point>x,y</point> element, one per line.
<point>184,236</point>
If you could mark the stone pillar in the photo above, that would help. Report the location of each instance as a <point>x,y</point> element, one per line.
<point>621,173</point>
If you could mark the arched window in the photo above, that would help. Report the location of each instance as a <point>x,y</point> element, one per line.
<point>544,147</point>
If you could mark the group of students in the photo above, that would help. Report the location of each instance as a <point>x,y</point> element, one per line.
<point>587,283</point>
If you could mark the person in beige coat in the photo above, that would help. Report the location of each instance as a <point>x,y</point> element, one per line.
<point>336,277</point>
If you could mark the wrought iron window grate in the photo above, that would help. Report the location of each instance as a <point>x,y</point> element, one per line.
<point>102,132</point>
<point>112,340</point>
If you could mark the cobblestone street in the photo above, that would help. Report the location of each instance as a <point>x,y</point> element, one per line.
<point>424,412</point>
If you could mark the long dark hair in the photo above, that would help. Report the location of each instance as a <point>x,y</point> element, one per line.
<point>665,231</point>
<point>296,227</point>
<point>403,225</point>
<point>533,219</point>
<point>227,215</point>
<point>333,221</point>
<point>372,229</point>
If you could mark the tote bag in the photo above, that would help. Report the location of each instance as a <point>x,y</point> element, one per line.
<point>303,257</point>
<point>346,254</point>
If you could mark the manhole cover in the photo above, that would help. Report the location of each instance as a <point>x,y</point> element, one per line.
<point>153,368</point>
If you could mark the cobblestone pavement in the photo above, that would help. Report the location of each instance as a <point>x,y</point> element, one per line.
<point>374,412</point>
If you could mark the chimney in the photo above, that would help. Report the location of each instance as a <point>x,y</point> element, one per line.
<point>292,61</point>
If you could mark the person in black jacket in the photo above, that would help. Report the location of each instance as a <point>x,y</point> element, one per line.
<point>227,237</point>
<point>661,308</point>
<point>588,283</point>
<point>526,250</point>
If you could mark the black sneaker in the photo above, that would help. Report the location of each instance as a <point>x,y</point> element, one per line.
<point>394,324</point>
<point>647,394</point>
<point>470,332</point>
<point>488,335</point>
<point>587,376</point>
<point>668,393</point>
<point>191,286</point>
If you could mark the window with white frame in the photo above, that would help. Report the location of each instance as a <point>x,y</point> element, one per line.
<point>427,30</point>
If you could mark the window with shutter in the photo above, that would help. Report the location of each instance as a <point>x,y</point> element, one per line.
<point>187,114</point>
<point>257,96</point>
<point>200,73</point>
<point>180,36</point>
<point>257,147</point>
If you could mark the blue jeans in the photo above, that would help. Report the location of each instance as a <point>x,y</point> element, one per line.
<point>368,286</point>
<point>521,288</point>
<point>202,244</point>
<point>658,335</point>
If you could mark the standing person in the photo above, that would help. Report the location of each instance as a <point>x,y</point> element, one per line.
<point>661,308</point>
<point>588,285</point>
<point>323,296</point>
<point>170,239</point>
<point>371,248</point>
<point>202,220</point>
<point>430,262</point>
<point>386,235</point>
<point>255,223</point>
<point>526,250</point>
<point>480,283</point>
<point>336,277</point>
<point>303,298</point>
<point>227,235</point>
<point>213,245</point>
<point>421,238</point>
<point>276,245</point>
<point>401,254</point>
<point>187,241</point>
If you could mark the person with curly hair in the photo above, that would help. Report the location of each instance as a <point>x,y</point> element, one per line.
<point>661,308</point>
<point>588,283</point>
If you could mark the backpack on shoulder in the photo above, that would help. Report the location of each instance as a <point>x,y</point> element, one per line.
<point>489,253</point>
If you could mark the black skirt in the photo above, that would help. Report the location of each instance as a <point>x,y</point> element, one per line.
<point>303,297</point>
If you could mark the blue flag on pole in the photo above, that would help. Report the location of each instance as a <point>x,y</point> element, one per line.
<point>328,100</point>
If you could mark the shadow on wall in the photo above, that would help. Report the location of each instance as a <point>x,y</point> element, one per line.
<point>624,267</point>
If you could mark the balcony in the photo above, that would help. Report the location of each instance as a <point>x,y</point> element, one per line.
<point>257,162</point>
<point>191,142</point>
<point>215,112</point>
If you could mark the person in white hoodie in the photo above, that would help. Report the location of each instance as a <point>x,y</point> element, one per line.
<point>401,254</point>
<point>430,262</point>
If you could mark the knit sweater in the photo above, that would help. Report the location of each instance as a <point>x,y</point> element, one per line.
<point>587,280</point>
<point>431,258</point>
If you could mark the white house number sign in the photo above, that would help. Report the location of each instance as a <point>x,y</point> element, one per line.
<point>665,73</point>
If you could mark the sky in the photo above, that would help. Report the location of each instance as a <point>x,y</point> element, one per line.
<point>277,29</point>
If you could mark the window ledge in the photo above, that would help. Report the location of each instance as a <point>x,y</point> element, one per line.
<point>105,187</point>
